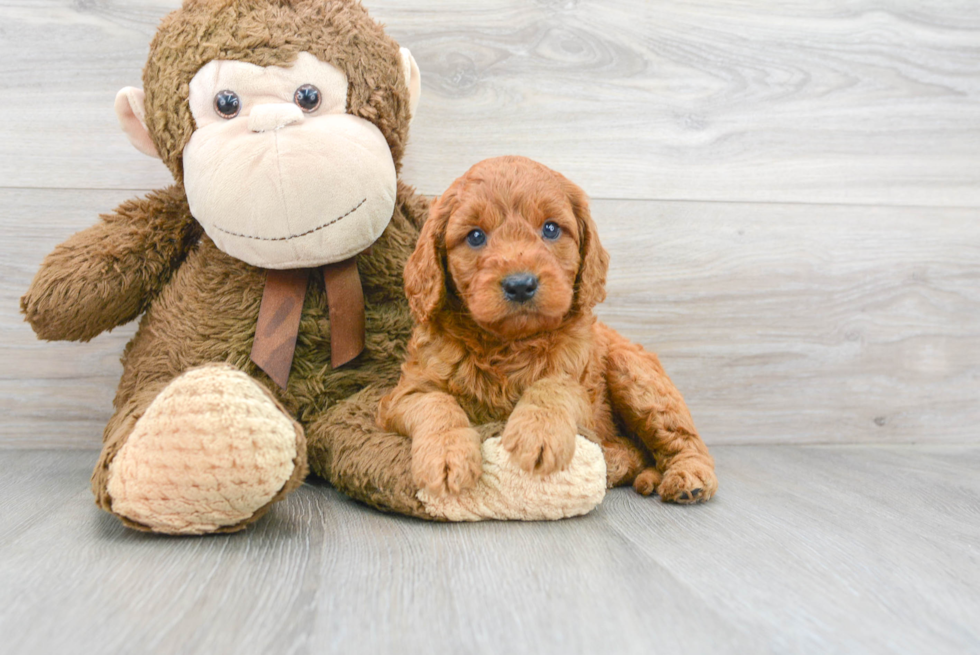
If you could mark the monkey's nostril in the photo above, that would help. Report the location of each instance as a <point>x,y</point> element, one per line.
<point>520,287</point>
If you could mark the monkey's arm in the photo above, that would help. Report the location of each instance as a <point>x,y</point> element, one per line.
<point>107,275</point>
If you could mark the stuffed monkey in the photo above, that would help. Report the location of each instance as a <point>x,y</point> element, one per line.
<point>268,277</point>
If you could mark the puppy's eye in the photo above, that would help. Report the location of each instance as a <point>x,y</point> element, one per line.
<point>227,104</point>
<point>307,97</point>
<point>476,238</point>
<point>551,231</point>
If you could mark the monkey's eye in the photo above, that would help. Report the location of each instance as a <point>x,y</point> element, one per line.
<point>551,231</point>
<point>476,238</point>
<point>227,104</point>
<point>307,97</point>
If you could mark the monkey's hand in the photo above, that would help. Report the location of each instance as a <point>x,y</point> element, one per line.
<point>108,274</point>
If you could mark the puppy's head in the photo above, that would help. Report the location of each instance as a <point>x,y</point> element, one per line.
<point>515,242</point>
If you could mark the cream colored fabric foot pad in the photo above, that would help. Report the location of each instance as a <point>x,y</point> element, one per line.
<point>211,450</point>
<point>506,492</point>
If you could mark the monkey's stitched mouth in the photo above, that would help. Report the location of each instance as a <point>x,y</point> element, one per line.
<point>295,236</point>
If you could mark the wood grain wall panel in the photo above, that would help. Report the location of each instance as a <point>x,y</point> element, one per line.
<point>52,394</point>
<point>784,323</point>
<point>858,101</point>
<point>780,323</point>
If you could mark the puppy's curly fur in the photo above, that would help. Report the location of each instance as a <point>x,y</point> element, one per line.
<point>540,362</point>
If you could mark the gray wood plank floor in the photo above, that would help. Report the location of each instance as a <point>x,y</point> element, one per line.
<point>831,549</point>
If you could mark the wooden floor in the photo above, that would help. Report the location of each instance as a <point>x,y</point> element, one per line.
<point>790,193</point>
<point>806,549</point>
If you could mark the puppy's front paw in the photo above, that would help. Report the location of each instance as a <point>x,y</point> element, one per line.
<point>538,440</point>
<point>689,481</point>
<point>447,463</point>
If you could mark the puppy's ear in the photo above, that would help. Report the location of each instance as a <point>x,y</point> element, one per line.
<point>425,274</point>
<point>590,286</point>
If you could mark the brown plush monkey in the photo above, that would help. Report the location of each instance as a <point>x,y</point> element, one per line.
<point>283,123</point>
<point>269,277</point>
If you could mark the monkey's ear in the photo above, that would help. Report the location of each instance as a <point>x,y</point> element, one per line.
<point>132,117</point>
<point>413,79</point>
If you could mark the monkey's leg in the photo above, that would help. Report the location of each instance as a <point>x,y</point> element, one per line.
<point>209,451</point>
<point>374,466</point>
<point>652,408</point>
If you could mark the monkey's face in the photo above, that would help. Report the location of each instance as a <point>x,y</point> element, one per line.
<point>288,142</point>
<point>277,172</point>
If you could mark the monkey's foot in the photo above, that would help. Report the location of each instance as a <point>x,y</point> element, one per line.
<point>688,481</point>
<point>506,492</point>
<point>212,452</point>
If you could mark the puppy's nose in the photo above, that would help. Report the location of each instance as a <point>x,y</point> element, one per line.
<point>520,287</point>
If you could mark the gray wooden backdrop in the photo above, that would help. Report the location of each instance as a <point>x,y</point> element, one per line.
<point>789,190</point>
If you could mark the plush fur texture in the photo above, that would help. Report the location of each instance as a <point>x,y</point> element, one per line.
<point>200,305</point>
<point>574,491</point>
<point>545,366</point>
<point>384,480</point>
<point>272,33</point>
<point>213,438</point>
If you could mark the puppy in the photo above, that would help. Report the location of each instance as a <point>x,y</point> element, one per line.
<point>502,284</point>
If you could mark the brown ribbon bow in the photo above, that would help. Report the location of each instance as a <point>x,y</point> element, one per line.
<point>282,307</point>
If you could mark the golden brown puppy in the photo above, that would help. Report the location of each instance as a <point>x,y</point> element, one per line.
<point>502,284</point>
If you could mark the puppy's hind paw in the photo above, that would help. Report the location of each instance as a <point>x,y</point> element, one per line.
<point>647,480</point>
<point>688,483</point>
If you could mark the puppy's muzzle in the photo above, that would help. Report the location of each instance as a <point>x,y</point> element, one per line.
<point>520,287</point>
